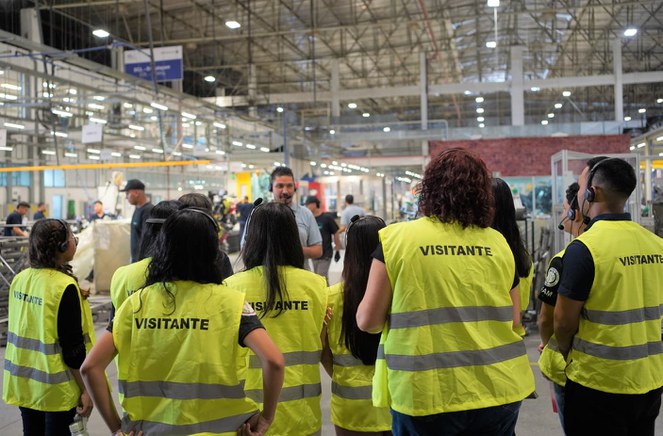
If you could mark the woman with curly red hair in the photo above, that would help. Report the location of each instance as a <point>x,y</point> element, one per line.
<point>438,290</point>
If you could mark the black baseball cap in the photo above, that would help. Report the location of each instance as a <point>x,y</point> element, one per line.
<point>133,184</point>
<point>311,199</point>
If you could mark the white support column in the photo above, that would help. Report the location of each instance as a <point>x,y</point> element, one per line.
<point>253,91</point>
<point>517,96</point>
<point>423,102</point>
<point>619,85</point>
<point>335,87</point>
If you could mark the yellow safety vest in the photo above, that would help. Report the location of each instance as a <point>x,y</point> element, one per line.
<point>523,293</point>
<point>186,380</point>
<point>551,361</point>
<point>35,374</point>
<point>351,405</point>
<point>618,347</point>
<point>449,344</point>
<point>127,280</point>
<point>296,332</point>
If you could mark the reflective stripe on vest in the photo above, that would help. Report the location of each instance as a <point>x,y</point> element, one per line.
<point>222,425</point>
<point>37,345</point>
<point>450,314</point>
<point>37,375</point>
<point>617,348</point>
<point>290,393</point>
<point>452,359</point>
<point>352,392</point>
<point>631,352</point>
<point>179,391</point>
<point>291,358</point>
<point>346,360</point>
<point>625,316</point>
<point>448,344</point>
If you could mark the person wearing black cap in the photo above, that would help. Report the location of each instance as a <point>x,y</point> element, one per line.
<point>135,190</point>
<point>16,217</point>
<point>328,229</point>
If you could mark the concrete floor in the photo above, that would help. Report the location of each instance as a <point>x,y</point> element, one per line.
<point>536,415</point>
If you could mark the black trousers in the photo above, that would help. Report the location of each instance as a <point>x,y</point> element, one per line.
<point>590,412</point>
<point>38,423</point>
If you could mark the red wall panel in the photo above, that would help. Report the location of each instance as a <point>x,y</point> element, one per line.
<point>531,156</point>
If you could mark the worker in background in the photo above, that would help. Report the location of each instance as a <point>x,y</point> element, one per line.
<point>291,303</point>
<point>135,191</point>
<point>188,333</point>
<point>15,219</point>
<point>608,312</point>
<point>349,354</point>
<point>99,213</point>
<point>438,290</point>
<point>504,221</point>
<point>551,362</point>
<point>349,211</point>
<point>41,211</point>
<point>243,209</point>
<point>282,185</point>
<point>49,332</point>
<point>328,230</point>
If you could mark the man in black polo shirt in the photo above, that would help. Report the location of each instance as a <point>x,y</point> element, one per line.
<point>16,217</point>
<point>135,190</point>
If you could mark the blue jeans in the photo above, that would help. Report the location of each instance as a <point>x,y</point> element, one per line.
<point>38,423</point>
<point>491,421</point>
<point>559,399</point>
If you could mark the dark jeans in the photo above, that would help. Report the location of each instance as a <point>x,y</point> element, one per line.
<point>590,412</point>
<point>491,421</point>
<point>38,423</point>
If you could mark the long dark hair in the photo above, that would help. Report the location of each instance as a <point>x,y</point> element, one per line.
<point>185,249</point>
<point>361,240</point>
<point>505,223</point>
<point>160,211</point>
<point>272,240</point>
<point>45,238</point>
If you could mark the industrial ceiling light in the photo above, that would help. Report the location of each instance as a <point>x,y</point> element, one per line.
<point>551,115</point>
<point>544,122</point>
<point>279,109</point>
<point>159,106</point>
<point>48,152</point>
<point>631,31</point>
<point>480,119</point>
<point>480,110</point>
<point>135,127</point>
<point>479,99</point>
<point>232,24</point>
<point>642,110</point>
<point>352,105</point>
<point>332,132</point>
<point>210,79</point>
<point>365,115</point>
<point>15,126</point>
<point>189,116</point>
<point>100,33</point>
<point>219,125</point>
<point>386,129</point>
<point>535,89</point>
<point>566,93</point>
<point>482,125</point>
<point>659,100</point>
<point>627,118</point>
<point>558,105</point>
<point>491,44</point>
